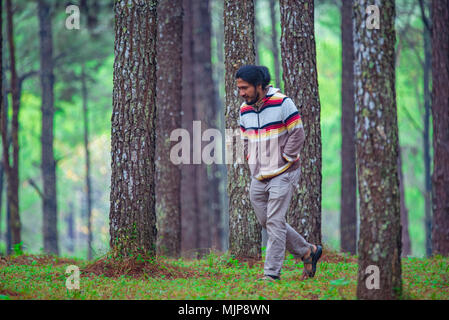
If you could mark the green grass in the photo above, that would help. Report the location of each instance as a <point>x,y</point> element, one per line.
<point>212,277</point>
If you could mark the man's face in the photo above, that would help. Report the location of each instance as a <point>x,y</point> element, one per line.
<point>248,92</point>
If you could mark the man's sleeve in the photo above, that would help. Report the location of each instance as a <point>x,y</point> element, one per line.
<point>244,137</point>
<point>296,137</point>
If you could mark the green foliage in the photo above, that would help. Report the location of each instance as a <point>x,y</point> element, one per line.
<point>17,248</point>
<point>217,277</point>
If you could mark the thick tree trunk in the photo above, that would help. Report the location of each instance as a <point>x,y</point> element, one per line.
<point>377,153</point>
<point>275,44</point>
<point>301,85</point>
<point>48,166</point>
<point>169,100</point>
<point>12,171</point>
<point>87,163</point>
<point>132,202</point>
<point>440,113</point>
<point>244,229</point>
<point>348,211</point>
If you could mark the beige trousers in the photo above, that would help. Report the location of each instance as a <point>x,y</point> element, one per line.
<point>271,200</point>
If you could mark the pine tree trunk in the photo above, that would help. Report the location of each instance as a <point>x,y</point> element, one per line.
<point>405,235</point>
<point>70,221</point>
<point>207,111</point>
<point>132,202</point>
<point>377,153</point>
<point>440,113</point>
<point>426,143</point>
<point>189,200</point>
<point>219,87</point>
<point>169,99</point>
<point>12,171</point>
<point>275,44</point>
<point>257,32</point>
<point>2,170</point>
<point>48,166</point>
<point>348,211</point>
<point>244,229</point>
<point>87,163</point>
<point>301,85</point>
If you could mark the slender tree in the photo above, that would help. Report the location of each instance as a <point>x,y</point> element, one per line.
<point>405,235</point>
<point>207,111</point>
<point>440,115</point>
<point>244,230</point>
<point>12,170</point>
<point>48,165</point>
<point>169,99</point>
<point>348,211</point>
<point>2,170</point>
<point>85,97</point>
<point>301,85</point>
<point>275,44</point>
<point>132,202</point>
<point>189,200</point>
<point>70,222</point>
<point>218,35</point>
<point>377,152</point>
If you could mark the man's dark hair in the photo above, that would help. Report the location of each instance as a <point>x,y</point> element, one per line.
<point>254,75</point>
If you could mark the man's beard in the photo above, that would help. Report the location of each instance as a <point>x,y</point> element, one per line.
<point>254,100</point>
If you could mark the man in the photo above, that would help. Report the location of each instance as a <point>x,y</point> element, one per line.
<point>273,135</point>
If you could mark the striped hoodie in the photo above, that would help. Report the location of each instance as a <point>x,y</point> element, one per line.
<point>273,135</point>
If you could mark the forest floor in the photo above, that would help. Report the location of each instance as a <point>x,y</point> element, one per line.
<point>214,277</point>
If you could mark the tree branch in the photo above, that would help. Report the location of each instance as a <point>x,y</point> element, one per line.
<point>424,17</point>
<point>34,185</point>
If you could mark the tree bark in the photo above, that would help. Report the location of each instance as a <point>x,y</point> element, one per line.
<point>12,171</point>
<point>169,100</point>
<point>440,113</point>
<point>219,87</point>
<point>426,139</point>
<point>189,200</point>
<point>244,229</point>
<point>48,166</point>
<point>377,153</point>
<point>70,221</point>
<point>87,163</point>
<point>132,202</point>
<point>348,212</point>
<point>275,44</point>
<point>301,85</point>
<point>207,111</point>
<point>2,170</point>
<point>2,114</point>
<point>405,235</point>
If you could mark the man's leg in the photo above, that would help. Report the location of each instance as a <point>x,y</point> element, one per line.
<point>259,198</point>
<point>280,192</point>
<point>296,244</point>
